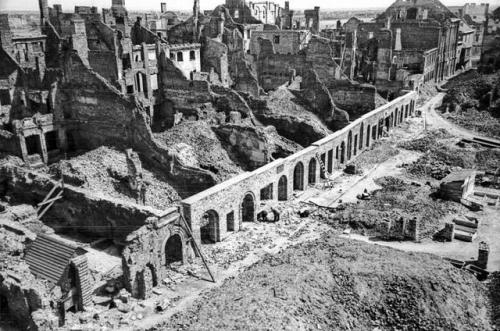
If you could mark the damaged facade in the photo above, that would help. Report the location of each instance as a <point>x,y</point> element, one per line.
<point>409,44</point>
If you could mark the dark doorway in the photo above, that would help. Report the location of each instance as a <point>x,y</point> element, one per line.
<point>173,249</point>
<point>230,221</point>
<point>282,188</point>
<point>349,145</point>
<point>312,171</point>
<point>330,161</point>
<point>298,176</point>
<point>321,172</point>
<point>33,145</point>
<point>342,152</point>
<point>380,128</point>
<point>355,149</point>
<point>51,140</point>
<point>248,208</point>
<point>361,133</point>
<point>368,136</point>
<point>210,229</point>
<point>411,13</point>
<point>266,193</point>
<point>4,308</point>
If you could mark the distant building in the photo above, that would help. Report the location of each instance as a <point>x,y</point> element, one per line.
<point>465,44</point>
<point>476,16</point>
<point>284,41</point>
<point>410,38</point>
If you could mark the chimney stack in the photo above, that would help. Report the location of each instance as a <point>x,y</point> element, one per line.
<point>397,45</point>
<point>163,7</point>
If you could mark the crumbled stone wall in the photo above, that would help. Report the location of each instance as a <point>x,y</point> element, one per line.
<point>356,99</point>
<point>247,144</point>
<point>226,198</point>
<point>283,41</point>
<point>144,258</point>
<point>215,55</point>
<point>27,297</point>
<point>78,208</point>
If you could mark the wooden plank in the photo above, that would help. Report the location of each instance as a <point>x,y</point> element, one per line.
<point>50,200</point>
<point>197,248</point>
<point>48,207</point>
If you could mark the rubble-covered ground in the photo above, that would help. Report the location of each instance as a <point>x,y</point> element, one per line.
<point>104,171</point>
<point>291,118</point>
<point>337,284</point>
<point>329,283</point>
<point>205,148</point>
<point>473,101</point>
<point>442,155</point>
<point>397,198</point>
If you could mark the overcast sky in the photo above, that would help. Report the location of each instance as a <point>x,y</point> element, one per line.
<point>68,5</point>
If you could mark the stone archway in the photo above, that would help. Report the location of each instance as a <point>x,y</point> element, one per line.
<point>368,136</point>
<point>342,153</point>
<point>248,208</point>
<point>283,188</point>
<point>311,178</point>
<point>349,145</point>
<point>173,249</point>
<point>209,230</point>
<point>361,136</point>
<point>298,176</point>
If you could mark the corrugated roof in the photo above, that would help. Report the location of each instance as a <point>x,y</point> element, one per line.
<point>48,256</point>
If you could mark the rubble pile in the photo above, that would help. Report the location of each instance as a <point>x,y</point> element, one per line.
<point>333,283</point>
<point>494,290</point>
<point>472,90</point>
<point>439,158</point>
<point>397,199</point>
<point>251,238</point>
<point>104,171</point>
<point>292,119</point>
<point>488,159</point>
<point>426,142</point>
<point>209,153</point>
<point>473,101</point>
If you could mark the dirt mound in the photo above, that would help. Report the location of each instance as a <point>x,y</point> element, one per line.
<point>337,284</point>
<point>104,171</point>
<point>209,151</point>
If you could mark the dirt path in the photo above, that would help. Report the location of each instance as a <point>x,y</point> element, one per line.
<point>436,121</point>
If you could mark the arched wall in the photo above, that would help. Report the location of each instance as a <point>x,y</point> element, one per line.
<point>226,197</point>
<point>144,251</point>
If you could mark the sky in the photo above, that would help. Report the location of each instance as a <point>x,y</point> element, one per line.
<point>68,5</point>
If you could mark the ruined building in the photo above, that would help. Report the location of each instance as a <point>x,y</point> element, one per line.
<point>409,44</point>
<point>191,112</point>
